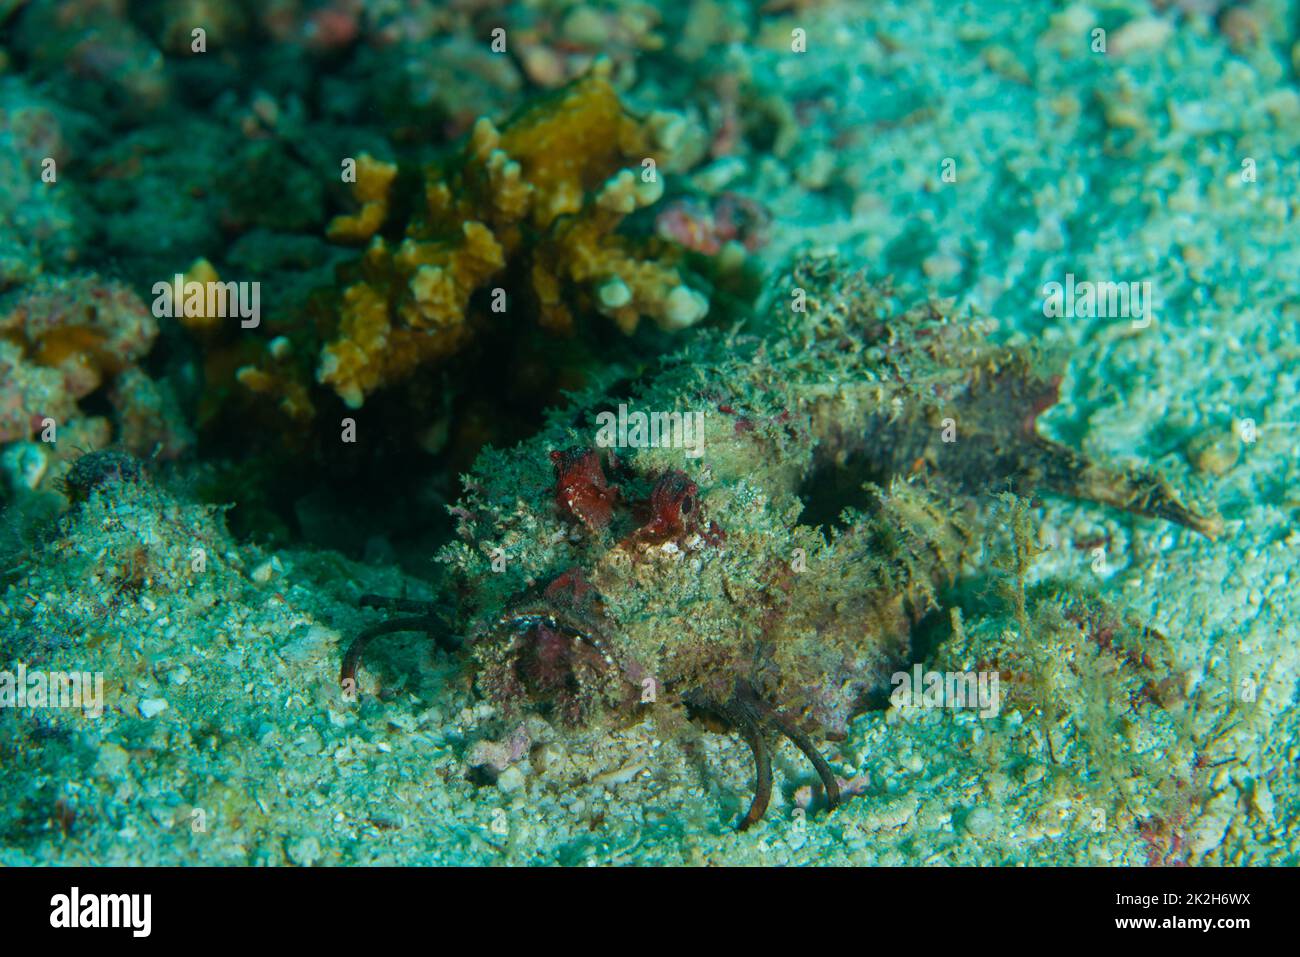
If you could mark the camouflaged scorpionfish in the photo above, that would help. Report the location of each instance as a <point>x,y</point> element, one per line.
<point>650,578</point>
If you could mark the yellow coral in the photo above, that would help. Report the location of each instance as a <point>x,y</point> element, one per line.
<point>290,394</point>
<point>196,317</point>
<point>373,184</point>
<point>540,199</point>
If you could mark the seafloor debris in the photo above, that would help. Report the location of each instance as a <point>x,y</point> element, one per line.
<point>707,229</point>
<point>94,56</point>
<point>37,228</point>
<point>776,625</point>
<point>101,469</point>
<point>61,340</point>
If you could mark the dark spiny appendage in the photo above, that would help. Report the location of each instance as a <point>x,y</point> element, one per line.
<point>426,617</point>
<point>753,717</point>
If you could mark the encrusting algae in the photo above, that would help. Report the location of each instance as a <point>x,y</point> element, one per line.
<point>533,206</point>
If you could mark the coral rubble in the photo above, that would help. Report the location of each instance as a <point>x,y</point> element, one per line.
<point>62,339</point>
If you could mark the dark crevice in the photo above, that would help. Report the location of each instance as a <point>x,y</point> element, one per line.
<point>829,488</point>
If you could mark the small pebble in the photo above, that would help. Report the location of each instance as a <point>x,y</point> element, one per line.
<point>980,822</point>
<point>24,465</point>
<point>510,780</point>
<point>269,569</point>
<point>1214,451</point>
<point>1141,35</point>
<point>305,851</point>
